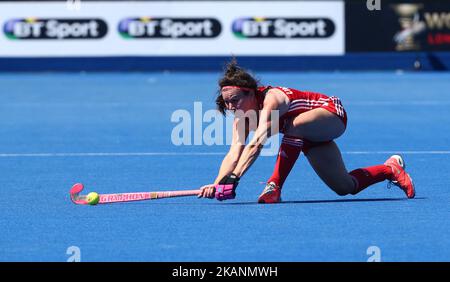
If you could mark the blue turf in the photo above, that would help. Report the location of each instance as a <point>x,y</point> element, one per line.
<point>115,113</point>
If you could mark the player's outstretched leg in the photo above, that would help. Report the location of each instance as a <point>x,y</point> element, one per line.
<point>399,176</point>
<point>329,166</point>
<point>393,170</point>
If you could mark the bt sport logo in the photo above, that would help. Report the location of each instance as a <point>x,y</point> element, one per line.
<point>35,28</point>
<point>286,28</point>
<point>160,28</point>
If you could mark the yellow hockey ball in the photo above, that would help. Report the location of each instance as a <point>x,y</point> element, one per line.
<point>93,198</point>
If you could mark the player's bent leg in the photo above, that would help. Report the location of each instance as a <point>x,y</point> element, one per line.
<point>315,125</point>
<point>271,194</point>
<point>326,160</point>
<point>287,156</point>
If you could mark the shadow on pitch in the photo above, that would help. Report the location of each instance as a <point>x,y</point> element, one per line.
<point>336,201</point>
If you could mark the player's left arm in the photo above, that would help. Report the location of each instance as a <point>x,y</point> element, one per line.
<point>267,126</point>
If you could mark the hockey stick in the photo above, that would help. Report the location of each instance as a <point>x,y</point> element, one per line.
<point>127,197</point>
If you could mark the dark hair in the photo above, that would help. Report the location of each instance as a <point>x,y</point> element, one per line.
<point>234,75</point>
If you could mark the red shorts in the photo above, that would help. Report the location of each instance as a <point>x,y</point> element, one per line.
<point>334,105</point>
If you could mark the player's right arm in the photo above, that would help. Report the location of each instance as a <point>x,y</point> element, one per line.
<point>231,159</point>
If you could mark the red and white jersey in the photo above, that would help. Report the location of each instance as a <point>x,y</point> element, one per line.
<point>303,101</point>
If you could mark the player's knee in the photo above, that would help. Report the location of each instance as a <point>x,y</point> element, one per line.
<point>295,127</point>
<point>299,122</point>
<point>342,192</point>
<point>342,189</point>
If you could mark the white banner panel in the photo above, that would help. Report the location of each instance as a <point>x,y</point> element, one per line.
<point>171,28</point>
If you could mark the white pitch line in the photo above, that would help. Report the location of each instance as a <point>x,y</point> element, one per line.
<point>109,154</point>
<point>396,103</point>
<point>397,152</point>
<point>346,102</point>
<point>145,154</point>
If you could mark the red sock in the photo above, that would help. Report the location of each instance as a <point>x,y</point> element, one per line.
<point>364,177</point>
<point>287,156</point>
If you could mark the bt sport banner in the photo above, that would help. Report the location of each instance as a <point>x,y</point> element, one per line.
<point>53,29</point>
